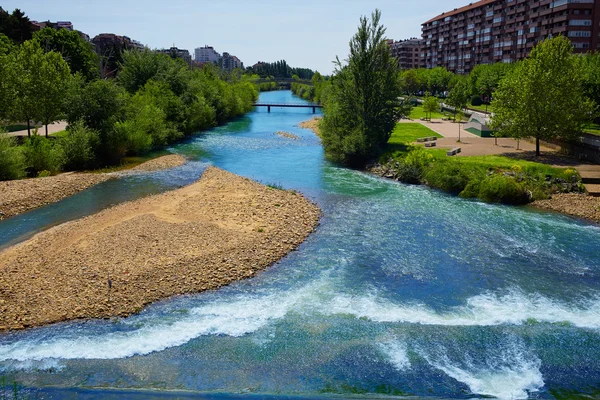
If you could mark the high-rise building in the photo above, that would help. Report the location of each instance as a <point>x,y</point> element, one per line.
<point>206,54</point>
<point>230,62</point>
<point>408,53</point>
<point>175,52</point>
<point>489,31</point>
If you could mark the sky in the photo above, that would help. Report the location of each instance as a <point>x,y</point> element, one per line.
<point>306,33</point>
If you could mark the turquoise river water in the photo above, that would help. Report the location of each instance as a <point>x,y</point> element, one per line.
<point>401,291</point>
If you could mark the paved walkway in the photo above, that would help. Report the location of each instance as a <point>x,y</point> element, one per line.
<point>52,128</point>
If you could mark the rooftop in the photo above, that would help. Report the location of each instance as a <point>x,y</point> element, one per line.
<point>460,10</point>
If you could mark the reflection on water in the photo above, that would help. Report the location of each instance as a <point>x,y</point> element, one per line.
<point>401,291</point>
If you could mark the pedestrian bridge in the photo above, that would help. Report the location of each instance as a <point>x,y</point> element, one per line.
<point>289,105</point>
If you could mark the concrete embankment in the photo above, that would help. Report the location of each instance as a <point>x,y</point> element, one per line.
<point>218,230</point>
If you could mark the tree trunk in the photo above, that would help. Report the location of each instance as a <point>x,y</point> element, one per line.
<point>28,129</point>
<point>537,146</point>
<point>46,131</point>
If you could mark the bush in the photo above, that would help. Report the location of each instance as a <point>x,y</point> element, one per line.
<point>450,176</point>
<point>12,161</point>
<point>476,101</point>
<point>410,169</point>
<point>42,155</point>
<point>499,188</point>
<point>79,147</point>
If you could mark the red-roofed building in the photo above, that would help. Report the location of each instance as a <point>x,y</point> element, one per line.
<point>490,31</point>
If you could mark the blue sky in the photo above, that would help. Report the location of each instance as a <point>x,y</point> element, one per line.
<point>306,33</point>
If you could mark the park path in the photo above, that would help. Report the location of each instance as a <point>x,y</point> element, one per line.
<point>52,128</point>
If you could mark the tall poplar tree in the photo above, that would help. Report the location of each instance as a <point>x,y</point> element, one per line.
<point>362,109</point>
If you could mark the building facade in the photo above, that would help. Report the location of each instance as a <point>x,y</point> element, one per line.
<point>175,52</point>
<point>409,53</point>
<point>206,54</point>
<point>490,31</point>
<point>230,62</point>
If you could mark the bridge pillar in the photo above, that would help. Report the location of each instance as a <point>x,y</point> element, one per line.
<point>314,110</point>
<point>268,108</point>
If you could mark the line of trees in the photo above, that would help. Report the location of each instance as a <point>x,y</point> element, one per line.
<point>155,100</point>
<point>280,69</point>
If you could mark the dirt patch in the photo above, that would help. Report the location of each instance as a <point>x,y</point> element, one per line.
<point>218,230</point>
<point>312,124</point>
<point>575,204</point>
<point>287,135</point>
<point>26,194</point>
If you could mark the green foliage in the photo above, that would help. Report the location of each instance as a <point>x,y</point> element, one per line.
<point>52,84</point>
<point>498,188</point>
<point>476,100</point>
<point>6,45</point>
<point>488,178</point>
<point>449,176</point>
<point>459,95</point>
<point>42,154</point>
<point>543,96</point>
<point>80,146</point>
<point>12,162</point>
<point>15,26</point>
<point>361,110</point>
<point>430,105</point>
<point>280,69</point>
<point>78,53</point>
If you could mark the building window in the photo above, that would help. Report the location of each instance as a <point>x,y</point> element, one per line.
<point>580,22</point>
<point>580,34</point>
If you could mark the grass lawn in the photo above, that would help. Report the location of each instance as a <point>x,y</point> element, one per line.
<point>18,127</point>
<point>418,113</point>
<point>594,129</point>
<point>59,134</point>
<point>481,108</point>
<point>406,133</point>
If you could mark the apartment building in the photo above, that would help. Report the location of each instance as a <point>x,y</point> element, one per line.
<point>489,31</point>
<point>175,52</point>
<point>230,62</point>
<point>206,54</point>
<point>409,53</point>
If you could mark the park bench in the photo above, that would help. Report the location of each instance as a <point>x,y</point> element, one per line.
<point>430,144</point>
<point>426,139</point>
<point>453,152</point>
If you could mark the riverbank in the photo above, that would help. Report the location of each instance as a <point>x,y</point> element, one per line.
<point>218,230</point>
<point>24,195</point>
<point>574,204</point>
<point>312,124</point>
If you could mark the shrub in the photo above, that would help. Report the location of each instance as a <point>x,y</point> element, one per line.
<point>450,176</point>
<point>42,155</point>
<point>476,101</point>
<point>411,168</point>
<point>12,162</point>
<point>79,147</point>
<point>499,188</point>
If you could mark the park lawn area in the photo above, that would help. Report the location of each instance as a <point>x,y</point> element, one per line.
<point>60,134</point>
<point>594,129</point>
<point>418,113</point>
<point>481,108</point>
<point>406,133</point>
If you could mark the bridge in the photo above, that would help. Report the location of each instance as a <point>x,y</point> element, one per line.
<point>292,105</point>
<point>285,80</point>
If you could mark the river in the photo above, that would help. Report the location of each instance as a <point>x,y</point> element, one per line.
<point>401,291</point>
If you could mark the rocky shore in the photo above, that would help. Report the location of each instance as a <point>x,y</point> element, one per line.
<point>25,195</point>
<point>312,124</point>
<point>218,230</point>
<point>287,135</point>
<point>576,204</point>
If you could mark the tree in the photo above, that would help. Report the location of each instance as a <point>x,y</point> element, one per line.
<point>439,80</point>
<point>23,81</point>
<point>6,96</point>
<point>52,76</point>
<point>362,108</point>
<point>78,53</point>
<point>543,96</point>
<point>459,96</point>
<point>16,25</point>
<point>430,105</point>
